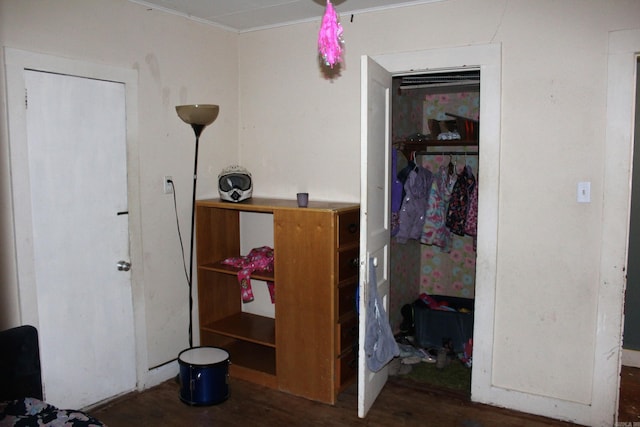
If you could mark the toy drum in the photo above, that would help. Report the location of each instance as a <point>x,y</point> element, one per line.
<point>203,375</point>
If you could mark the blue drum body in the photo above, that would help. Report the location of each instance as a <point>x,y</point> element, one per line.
<point>204,374</point>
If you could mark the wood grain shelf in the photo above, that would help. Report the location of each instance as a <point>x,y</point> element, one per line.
<point>248,361</point>
<point>252,356</point>
<point>246,326</point>
<point>301,351</point>
<point>219,267</point>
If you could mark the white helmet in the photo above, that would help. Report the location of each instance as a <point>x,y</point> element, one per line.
<point>235,184</point>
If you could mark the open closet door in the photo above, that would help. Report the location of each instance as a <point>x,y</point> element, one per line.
<point>374,212</point>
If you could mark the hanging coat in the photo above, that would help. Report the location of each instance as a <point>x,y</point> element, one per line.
<point>434,231</point>
<point>459,203</point>
<point>471,225</point>
<point>414,205</point>
<point>396,194</point>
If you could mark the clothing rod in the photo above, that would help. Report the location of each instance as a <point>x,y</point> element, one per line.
<point>446,153</point>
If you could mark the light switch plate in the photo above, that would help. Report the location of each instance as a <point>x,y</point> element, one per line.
<point>584,192</point>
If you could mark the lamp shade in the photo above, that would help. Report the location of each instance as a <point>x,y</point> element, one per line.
<point>198,114</point>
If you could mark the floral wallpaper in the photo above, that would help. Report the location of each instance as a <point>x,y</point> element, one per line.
<point>417,268</point>
<point>405,278</point>
<point>465,104</point>
<point>412,108</point>
<point>451,273</point>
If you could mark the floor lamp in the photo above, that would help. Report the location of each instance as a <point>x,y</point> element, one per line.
<point>198,116</point>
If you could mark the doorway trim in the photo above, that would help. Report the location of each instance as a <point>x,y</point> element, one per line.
<point>624,47</point>
<point>15,62</point>
<point>487,58</point>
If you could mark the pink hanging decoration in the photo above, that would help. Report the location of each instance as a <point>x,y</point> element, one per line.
<point>330,37</point>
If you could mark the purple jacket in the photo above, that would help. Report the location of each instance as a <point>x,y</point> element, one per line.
<point>417,188</point>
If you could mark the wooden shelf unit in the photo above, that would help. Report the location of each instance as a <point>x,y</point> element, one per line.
<point>310,348</point>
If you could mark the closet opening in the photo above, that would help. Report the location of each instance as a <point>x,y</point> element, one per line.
<point>434,200</point>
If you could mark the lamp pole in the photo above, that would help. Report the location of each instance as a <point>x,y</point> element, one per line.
<point>198,130</point>
<point>198,116</point>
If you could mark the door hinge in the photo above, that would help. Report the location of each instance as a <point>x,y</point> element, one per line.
<point>26,102</point>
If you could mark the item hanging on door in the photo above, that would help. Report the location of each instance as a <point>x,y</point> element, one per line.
<point>330,37</point>
<point>380,345</point>
<point>258,259</point>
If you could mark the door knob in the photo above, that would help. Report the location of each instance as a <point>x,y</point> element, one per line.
<point>124,266</point>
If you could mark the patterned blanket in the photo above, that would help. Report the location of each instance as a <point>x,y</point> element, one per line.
<point>30,412</point>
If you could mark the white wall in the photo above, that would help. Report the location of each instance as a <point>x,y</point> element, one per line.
<point>178,61</point>
<point>295,130</point>
<point>298,130</point>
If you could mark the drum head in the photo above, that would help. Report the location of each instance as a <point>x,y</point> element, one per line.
<point>203,356</point>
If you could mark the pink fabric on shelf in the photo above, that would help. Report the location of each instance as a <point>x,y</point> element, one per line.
<point>258,259</point>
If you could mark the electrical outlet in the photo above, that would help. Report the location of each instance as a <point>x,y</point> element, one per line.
<point>167,184</point>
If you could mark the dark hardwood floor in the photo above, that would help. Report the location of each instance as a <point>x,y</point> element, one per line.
<point>629,405</point>
<point>401,403</point>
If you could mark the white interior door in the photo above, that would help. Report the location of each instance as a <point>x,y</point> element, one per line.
<point>76,138</point>
<point>375,211</point>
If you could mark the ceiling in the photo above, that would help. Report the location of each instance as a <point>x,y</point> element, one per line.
<point>250,15</point>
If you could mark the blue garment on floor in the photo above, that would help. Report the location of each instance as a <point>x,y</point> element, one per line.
<point>380,345</point>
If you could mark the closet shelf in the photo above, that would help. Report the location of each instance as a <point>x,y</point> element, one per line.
<point>407,147</point>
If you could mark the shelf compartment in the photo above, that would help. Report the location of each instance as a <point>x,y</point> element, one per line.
<point>219,267</point>
<point>252,357</point>
<point>248,361</point>
<point>347,369</point>
<point>247,327</point>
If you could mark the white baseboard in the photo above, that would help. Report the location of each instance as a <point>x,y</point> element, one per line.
<point>631,358</point>
<point>161,374</point>
<point>152,378</point>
